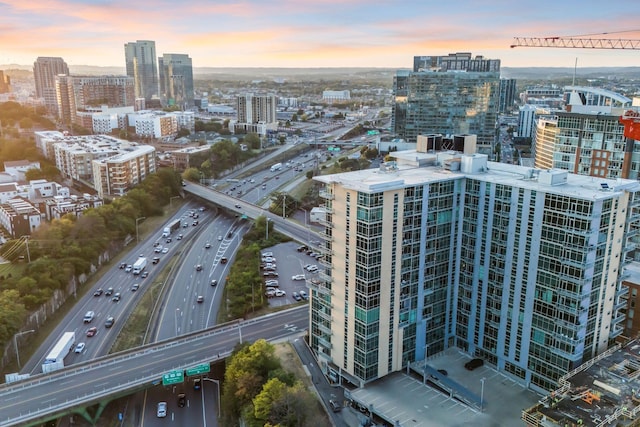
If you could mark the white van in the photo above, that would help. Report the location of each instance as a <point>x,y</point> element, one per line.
<point>88,317</point>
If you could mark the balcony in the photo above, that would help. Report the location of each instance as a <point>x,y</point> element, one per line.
<point>324,341</point>
<point>324,316</point>
<point>325,236</point>
<point>327,195</point>
<point>623,292</point>
<point>324,222</point>
<point>324,277</point>
<point>616,331</point>
<point>326,331</point>
<point>321,288</point>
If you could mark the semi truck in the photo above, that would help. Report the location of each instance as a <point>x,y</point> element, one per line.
<point>276,167</point>
<point>139,265</point>
<point>55,358</point>
<point>173,226</point>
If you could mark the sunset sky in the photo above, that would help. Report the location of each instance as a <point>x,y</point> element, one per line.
<point>318,33</point>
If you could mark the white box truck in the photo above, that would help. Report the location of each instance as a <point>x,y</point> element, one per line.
<point>55,358</point>
<point>139,265</point>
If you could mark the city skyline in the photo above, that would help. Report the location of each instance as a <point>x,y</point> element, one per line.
<point>325,33</point>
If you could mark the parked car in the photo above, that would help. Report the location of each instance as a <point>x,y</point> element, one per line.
<point>335,406</point>
<point>270,274</point>
<point>298,277</point>
<point>266,254</point>
<point>297,297</point>
<point>304,295</point>
<point>270,293</point>
<point>473,364</point>
<point>280,293</point>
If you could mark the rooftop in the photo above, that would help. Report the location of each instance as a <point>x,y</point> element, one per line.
<point>601,391</point>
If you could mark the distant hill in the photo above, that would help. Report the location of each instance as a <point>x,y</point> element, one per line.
<point>237,73</point>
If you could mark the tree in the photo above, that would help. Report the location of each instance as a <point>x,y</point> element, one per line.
<point>252,140</point>
<point>183,132</point>
<point>191,174</point>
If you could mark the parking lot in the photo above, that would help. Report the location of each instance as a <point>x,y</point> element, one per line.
<point>291,273</point>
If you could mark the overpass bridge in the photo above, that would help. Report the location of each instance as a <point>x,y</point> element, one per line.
<point>88,387</point>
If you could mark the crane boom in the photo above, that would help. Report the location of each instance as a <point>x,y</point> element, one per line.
<point>576,43</point>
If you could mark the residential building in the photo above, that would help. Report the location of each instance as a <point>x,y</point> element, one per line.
<point>115,175</point>
<point>106,120</point>
<point>19,217</point>
<point>176,80</point>
<point>79,97</point>
<point>544,141</point>
<point>154,124</point>
<point>454,94</point>
<point>527,120</point>
<point>5,83</point>
<point>508,95</point>
<point>256,113</point>
<point>336,95</point>
<point>522,268</point>
<point>632,281</point>
<point>140,61</point>
<point>8,191</point>
<point>18,168</point>
<point>45,70</point>
<point>181,159</point>
<point>58,206</point>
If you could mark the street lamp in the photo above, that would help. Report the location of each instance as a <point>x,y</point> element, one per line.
<point>137,234</point>
<point>218,389</point>
<point>482,394</point>
<point>15,344</point>
<point>266,229</point>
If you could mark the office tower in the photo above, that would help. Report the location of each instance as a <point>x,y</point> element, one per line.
<point>45,70</point>
<point>526,120</point>
<point>436,250</point>
<point>140,58</point>
<point>82,93</point>
<point>508,95</point>
<point>256,113</point>
<point>454,94</point>
<point>176,80</point>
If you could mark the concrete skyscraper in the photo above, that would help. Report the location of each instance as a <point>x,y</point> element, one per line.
<point>140,57</point>
<point>45,70</point>
<point>454,94</point>
<point>176,79</point>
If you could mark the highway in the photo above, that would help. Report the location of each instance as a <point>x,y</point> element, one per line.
<point>141,367</point>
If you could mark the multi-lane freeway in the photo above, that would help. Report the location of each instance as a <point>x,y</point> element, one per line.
<point>43,396</point>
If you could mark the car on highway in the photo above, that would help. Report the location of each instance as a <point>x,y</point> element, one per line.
<point>214,282</point>
<point>198,267</point>
<point>195,223</point>
<point>156,259</point>
<point>238,206</point>
<point>182,400</point>
<point>219,238</point>
<point>158,249</point>
<point>144,274</point>
<point>123,265</point>
<point>98,292</point>
<point>200,299</point>
<point>224,260</point>
<point>116,297</point>
<point>162,410</point>
<point>165,250</point>
<point>135,287</point>
<point>207,246</point>
<point>92,331</point>
<point>179,237</point>
<point>128,268</point>
<point>335,406</point>
<point>109,322</point>
<point>108,292</point>
<point>79,348</point>
<point>197,383</point>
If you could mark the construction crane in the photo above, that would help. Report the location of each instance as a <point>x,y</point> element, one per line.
<point>574,42</point>
<point>630,119</point>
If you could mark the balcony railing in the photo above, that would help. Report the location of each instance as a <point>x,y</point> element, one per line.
<point>327,195</point>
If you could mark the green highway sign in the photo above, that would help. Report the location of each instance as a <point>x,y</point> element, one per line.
<point>373,132</point>
<point>173,377</point>
<point>199,369</point>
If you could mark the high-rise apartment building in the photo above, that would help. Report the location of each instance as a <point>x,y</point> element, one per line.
<point>436,250</point>
<point>82,93</point>
<point>176,80</point>
<point>45,70</point>
<point>140,62</point>
<point>508,95</point>
<point>5,83</point>
<point>256,113</point>
<point>454,94</point>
